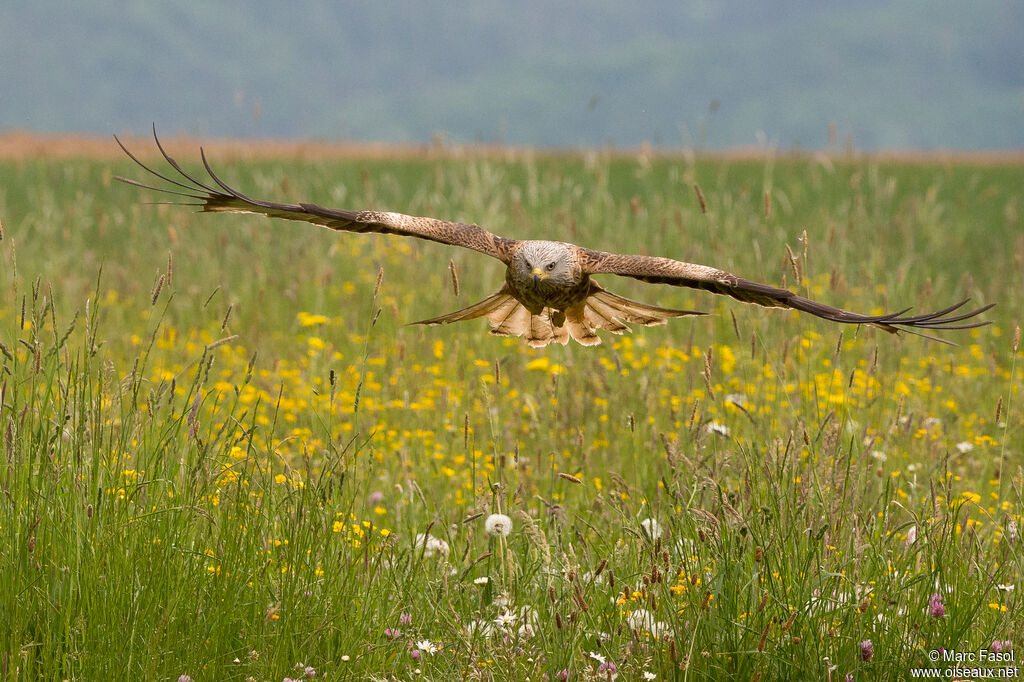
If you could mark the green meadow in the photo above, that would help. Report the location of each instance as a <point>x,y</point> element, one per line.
<point>225,455</point>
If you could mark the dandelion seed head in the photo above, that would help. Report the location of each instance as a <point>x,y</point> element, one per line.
<point>498,524</point>
<point>651,528</point>
<point>641,619</point>
<point>432,547</point>
<point>718,428</point>
<point>911,536</point>
<point>479,627</point>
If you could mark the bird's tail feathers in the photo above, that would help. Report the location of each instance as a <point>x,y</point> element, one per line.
<point>509,317</point>
<point>600,310</point>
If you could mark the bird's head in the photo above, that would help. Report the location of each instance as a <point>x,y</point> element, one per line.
<point>543,264</point>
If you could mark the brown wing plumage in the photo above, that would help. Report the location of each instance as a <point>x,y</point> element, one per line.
<point>220,198</point>
<point>659,270</point>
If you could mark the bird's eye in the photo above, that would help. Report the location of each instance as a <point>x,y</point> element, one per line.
<point>551,266</point>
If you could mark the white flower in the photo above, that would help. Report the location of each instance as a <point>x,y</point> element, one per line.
<point>651,528</point>
<point>427,645</point>
<point>482,580</point>
<point>1006,588</point>
<point>648,675</point>
<point>498,524</point>
<point>505,619</point>
<point>432,546</point>
<point>964,446</point>
<point>597,657</point>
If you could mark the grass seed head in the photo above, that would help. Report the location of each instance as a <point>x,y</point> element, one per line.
<point>455,276</point>
<point>700,199</point>
<point>764,637</point>
<point>157,287</point>
<point>380,280</point>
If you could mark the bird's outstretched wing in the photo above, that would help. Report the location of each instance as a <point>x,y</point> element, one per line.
<point>677,273</point>
<point>218,197</point>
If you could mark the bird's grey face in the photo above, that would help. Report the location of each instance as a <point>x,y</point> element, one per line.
<point>543,264</point>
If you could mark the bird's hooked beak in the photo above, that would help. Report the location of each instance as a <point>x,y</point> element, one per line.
<point>538,275</point>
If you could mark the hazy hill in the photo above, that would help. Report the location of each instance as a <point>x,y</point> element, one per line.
<point>918,73</point>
